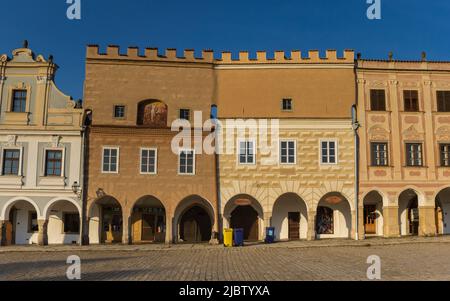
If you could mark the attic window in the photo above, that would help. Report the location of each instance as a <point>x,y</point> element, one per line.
<point>119,111</point>
<point>19,101</point>
<point>286,104</point>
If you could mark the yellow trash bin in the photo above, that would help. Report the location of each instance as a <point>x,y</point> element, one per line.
<point>228,237</point>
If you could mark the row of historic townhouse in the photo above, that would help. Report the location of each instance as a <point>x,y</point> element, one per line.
<point>109,172</point>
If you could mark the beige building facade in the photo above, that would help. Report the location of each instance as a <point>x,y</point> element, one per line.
<point>132,100</point>
<point>307,189</point>
<point>404,111</point>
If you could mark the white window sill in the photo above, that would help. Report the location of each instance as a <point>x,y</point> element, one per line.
<point>11,181</point>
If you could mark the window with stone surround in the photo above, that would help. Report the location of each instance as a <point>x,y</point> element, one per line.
<point>443,98</point>
<point>445,154</point>
<point>411,100</point>
<point>288,152</point>
<point>53,163</point>
<point>414,154</point>
<point>19,101</point>
<point>379,151</point>
<point>11,162</point>
<point>377,100</point>
<point>119,111</point>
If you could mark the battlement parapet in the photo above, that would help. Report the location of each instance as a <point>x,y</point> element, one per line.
<point>225,58</point>
<point>150,54</point>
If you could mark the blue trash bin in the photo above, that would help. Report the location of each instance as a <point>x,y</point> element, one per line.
<point>270,235</point>
<point>238,235</point>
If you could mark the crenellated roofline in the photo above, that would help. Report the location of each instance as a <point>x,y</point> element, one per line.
<point>113,52</point>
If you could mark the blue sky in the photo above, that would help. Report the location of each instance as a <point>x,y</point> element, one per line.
<point>407,28</point>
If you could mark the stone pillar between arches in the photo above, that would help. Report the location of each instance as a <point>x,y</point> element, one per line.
<point>391,227</point>
<point>427,221</point>
<point>42,232</point>
<point>311,235</point>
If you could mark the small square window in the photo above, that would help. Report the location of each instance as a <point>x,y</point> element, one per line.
<point>185,114</point>
<point>286,104</point>
<point>119,111</point>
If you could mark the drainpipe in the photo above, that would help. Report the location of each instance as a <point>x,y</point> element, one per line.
<point>81,181</point>
<point>356,126</point>
<point>218,130</point>
<point>84,176</point>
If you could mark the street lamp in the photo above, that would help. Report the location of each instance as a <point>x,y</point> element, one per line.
<point>76,188</point>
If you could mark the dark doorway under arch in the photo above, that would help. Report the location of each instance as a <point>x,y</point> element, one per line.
<point>408,212</point>
<point>245,217</point>
<point>195,225</point>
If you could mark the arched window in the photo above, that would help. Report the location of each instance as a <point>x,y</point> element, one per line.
<point>152,113</point>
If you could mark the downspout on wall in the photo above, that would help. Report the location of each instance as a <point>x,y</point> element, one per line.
<point>356,126</point>
<point>84,177</point>
<point>217,131</point>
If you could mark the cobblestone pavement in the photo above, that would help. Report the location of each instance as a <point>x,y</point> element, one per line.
<point>421,259</point>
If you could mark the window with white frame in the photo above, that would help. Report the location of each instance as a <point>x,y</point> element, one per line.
<point>119,111</point>
<point>288,152</point>
<point>246,152</point>
<point>186,164</point>
<point>379,153</point>
<point>414,155</point>
<point>11,162</point>
<point>445,154</point>
<point>328,150</point>
<point>148,160</point>
<point>110,162</point>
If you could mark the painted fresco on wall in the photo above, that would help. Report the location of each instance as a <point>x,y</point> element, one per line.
<point>153,114</point>
<point>325,221</point>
